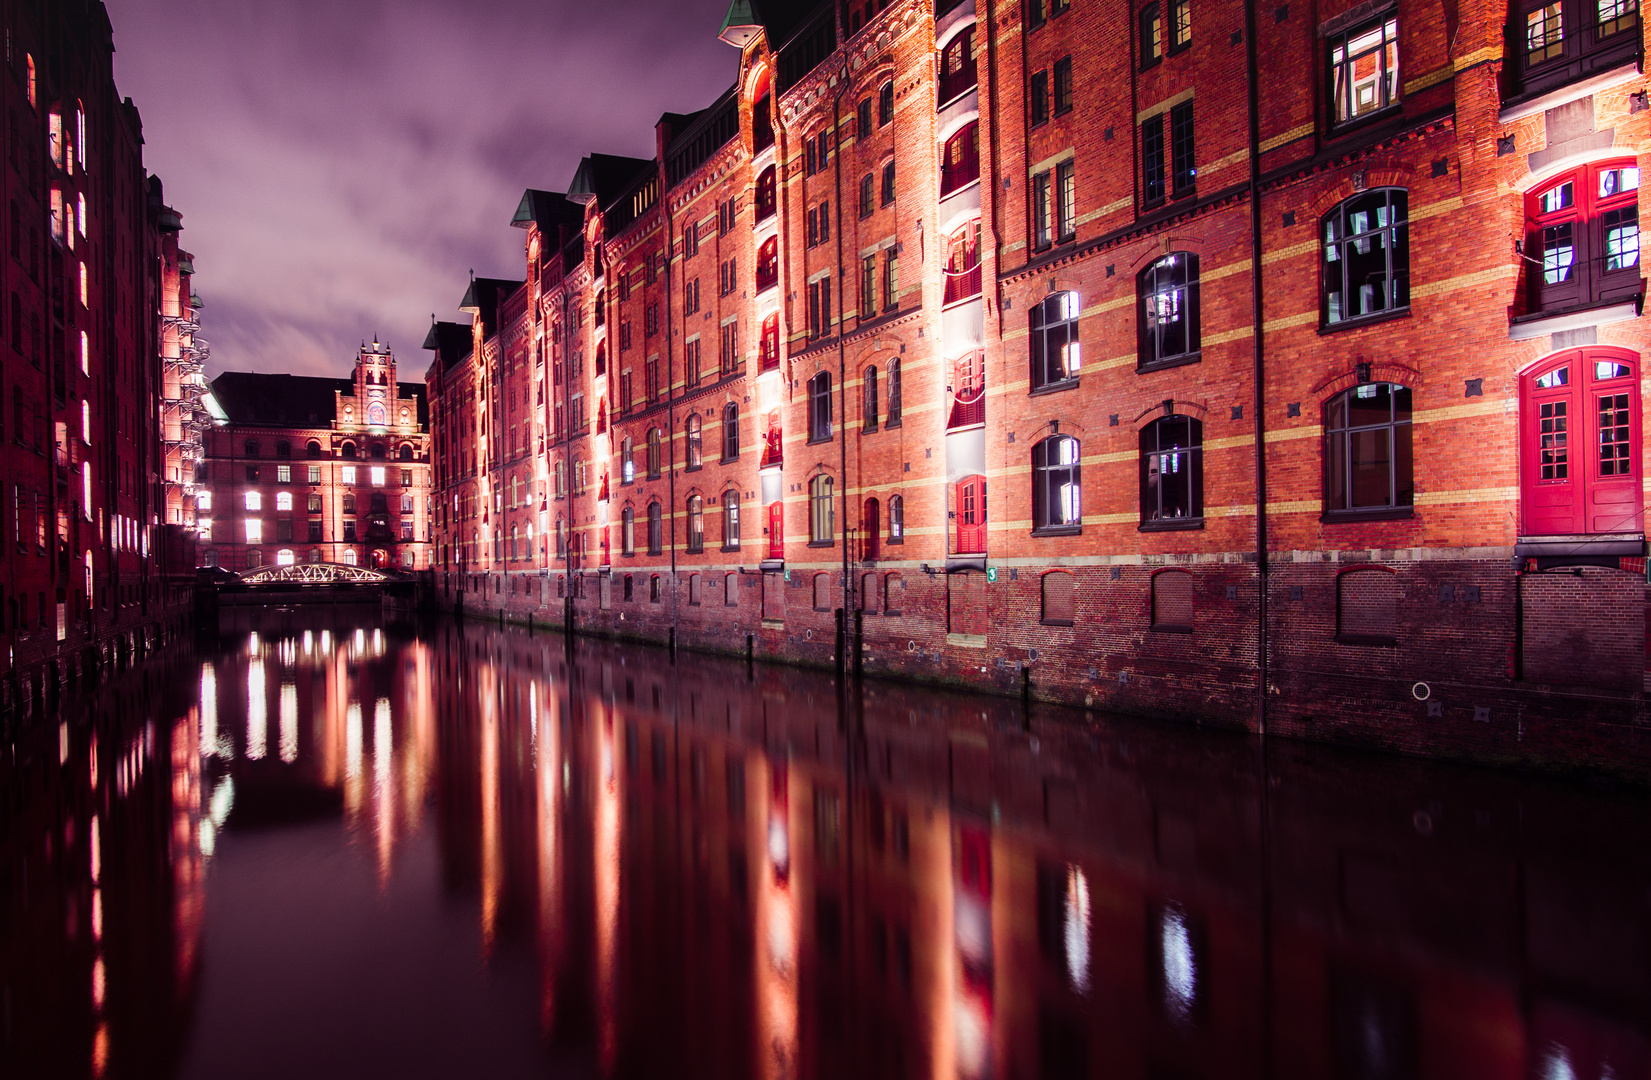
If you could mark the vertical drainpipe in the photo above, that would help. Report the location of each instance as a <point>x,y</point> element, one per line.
<point>842,370</point>
<point>1259,400</point>
<point>670,398</point>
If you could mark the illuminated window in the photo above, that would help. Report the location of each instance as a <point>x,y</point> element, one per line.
<point>254,501</point>
<point>1366,256</point>
<point>378,475</point>
<point>283,500</point>
<point>85,354</point>
<point>1364,67</point>
<point>85,287</point>
<point>1055,352</point>
<point>285,557</point>
<point>346,474</point>
<point>1169,310</point>
<point>203,501</point>
<point>255,531</point>
<point>1172,474</point>
<point>1056,502</point>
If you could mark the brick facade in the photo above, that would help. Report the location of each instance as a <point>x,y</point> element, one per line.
<point>300,469</point>
<point>1106,267</point>
<point>92,295</point>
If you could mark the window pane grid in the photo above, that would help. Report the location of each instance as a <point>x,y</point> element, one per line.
<point>1613,436</point>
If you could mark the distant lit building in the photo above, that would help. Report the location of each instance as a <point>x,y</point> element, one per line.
<point>302,469</point>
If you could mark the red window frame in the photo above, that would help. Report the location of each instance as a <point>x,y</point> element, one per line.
<point>1581,444</point>
<point>1575,225</point>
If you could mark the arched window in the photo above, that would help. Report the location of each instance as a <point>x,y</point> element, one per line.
<point>1057,504</point>
<point>1366,256</point>
<point>868,398</point>
<point>1367,450</point>
<point>731,590</point>
<point>695,589</point>
<point>822,523</point>
<point>312,448</point>
<point>888,184</point>
<point>1168,318</point>
<point>601,413</point>
<point>764,201</point>
<point>897,519</point>
<point>514,537</point>
<point>957,65</point>
<point>871,530</point>
<point>1580,445</point>
<point>285,557</point>
<point>822,592</point>
<point>656,529</point>
<point>1172,472</point>
<point>960,159</point>
<point>730,431</point>
<point>819,407</point>
<point>696,524</point>
<point>627,461</point>
<point>963,263</point>
<point>628,531</point>
<point>730,520</point>
<point>1583,227</point>
<point>885,104</point>
<point>376,416</point>
<point>349,450</point>
<point>251,448</point>
<point>559,477</point>
<point>768,345</point>
<point>210,558</point>
<point>283,500</point>
<point>1367,606</point>
<point>776,529</point>
<point>762,123</point>
<point>561,538</point>
<point>694,455</point>
<point>406,452</point>
<point>1172,596</point>
<point>1055,352</point>
<point>378,451</point>
<point>1058,606</point>
<point>315,555</point>
<point>655,453</point>
<point>768,264</point>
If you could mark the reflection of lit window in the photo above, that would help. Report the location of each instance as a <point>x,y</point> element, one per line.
<point>1179,963</point>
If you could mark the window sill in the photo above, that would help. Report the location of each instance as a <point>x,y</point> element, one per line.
<point>1524,104</point>
<point>1353,517</point>
<point>1366,639</point>
<point>1540,324</point>
<point>728,460</point>
<point>1172,525</point>
<point>1168,628</point>
<point>897,540</point>
<point>692,468</point>
<point>730,547</point>
<point>891,422</point>
<point>1348,128</point>
<point>1058,530</point>
<point>1053,388</point>
<point>1365,320</point>
<point>869,429</point>
<point>1055,622</point>
<point>822,543</point>
<point>693,551</point>
<point>1169,362</point>
<point>817,440</point>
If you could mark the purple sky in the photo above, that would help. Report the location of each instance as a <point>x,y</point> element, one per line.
<point>341,165</point>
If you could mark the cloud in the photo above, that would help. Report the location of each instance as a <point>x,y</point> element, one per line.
<point>340,167</point>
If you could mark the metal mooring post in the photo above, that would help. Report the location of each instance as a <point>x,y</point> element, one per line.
<point>840,639</point>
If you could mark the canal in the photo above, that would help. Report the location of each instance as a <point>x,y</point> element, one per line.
<point>327,846</point>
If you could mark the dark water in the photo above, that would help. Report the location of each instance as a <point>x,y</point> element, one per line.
<point>332,848</point>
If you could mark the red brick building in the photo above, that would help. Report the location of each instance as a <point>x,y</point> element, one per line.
<point>89,264</point>
<point>301,469</point>
<point>1278,367</point>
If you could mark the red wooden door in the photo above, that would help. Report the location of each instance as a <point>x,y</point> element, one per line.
<point>1581,419</point>
<point>971,516</point>
<point>776,530</point>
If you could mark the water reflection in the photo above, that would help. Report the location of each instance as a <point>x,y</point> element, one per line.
<point>332,848</point>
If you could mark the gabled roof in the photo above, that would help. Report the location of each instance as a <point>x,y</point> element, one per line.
<point>450,341</point>
<point>544,209</point>
<point>780,18</point>
<point>482,299</point>
<point>603,177</point>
